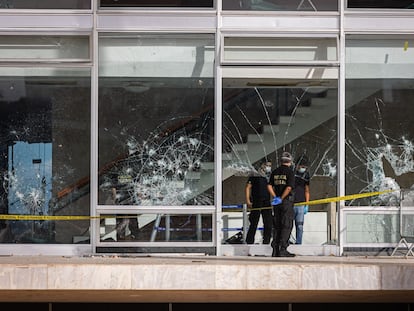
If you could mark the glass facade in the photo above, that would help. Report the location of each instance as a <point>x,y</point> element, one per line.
<point>147,117</point>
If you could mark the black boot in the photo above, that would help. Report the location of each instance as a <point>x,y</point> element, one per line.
<point>276,251</point>
<point>284,253</point>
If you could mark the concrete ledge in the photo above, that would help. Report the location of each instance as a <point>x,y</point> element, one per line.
<point>205,279</point>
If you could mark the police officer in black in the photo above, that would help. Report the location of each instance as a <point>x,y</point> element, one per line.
<point>280,187</point>
<point>258,202</point>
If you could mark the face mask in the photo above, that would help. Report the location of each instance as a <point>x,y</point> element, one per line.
<point>302,170</point>
<point>268,169</point>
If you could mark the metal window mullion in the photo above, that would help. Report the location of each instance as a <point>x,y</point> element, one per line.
<point>281,63</point>
<point>156,209</point>
<point>218,120</point>
<point>94,223</point>
<point>341,133</point>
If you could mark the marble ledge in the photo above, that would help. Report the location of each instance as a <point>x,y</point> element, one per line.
<point>207,274</point>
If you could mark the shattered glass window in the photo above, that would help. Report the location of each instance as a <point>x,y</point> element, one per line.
<point>281,5</point>
<point>45,153</point>
<point>379,117</point>
<point>156,119</point>
<point>295,111</point>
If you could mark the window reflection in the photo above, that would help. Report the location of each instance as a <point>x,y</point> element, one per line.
<point>30,168</point>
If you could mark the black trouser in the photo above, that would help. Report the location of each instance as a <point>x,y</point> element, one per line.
<point>254,217</point>
<point>283,216</point>
<point>129,221</point>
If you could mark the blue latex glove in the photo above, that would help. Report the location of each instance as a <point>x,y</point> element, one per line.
<point>276,201</point>
<point>305,209</point>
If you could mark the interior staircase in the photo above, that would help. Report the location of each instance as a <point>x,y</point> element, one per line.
<point>258,145</point>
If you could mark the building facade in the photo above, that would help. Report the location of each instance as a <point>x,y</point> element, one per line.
<point>132,126</point>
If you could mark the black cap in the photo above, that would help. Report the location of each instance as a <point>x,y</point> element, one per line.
<point>286,157</point>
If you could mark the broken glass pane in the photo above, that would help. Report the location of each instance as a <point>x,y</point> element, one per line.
<point>379,118</point>
<point>264,117</point>
<point>45,135</point>
<point>156,120</point>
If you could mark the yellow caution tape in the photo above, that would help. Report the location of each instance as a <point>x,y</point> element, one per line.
<point>344,198</point>
<point>405,45</point>
<point>314,202</point>
<point>334,199</point>
<point>49,217</point>
<point>43,217</point>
